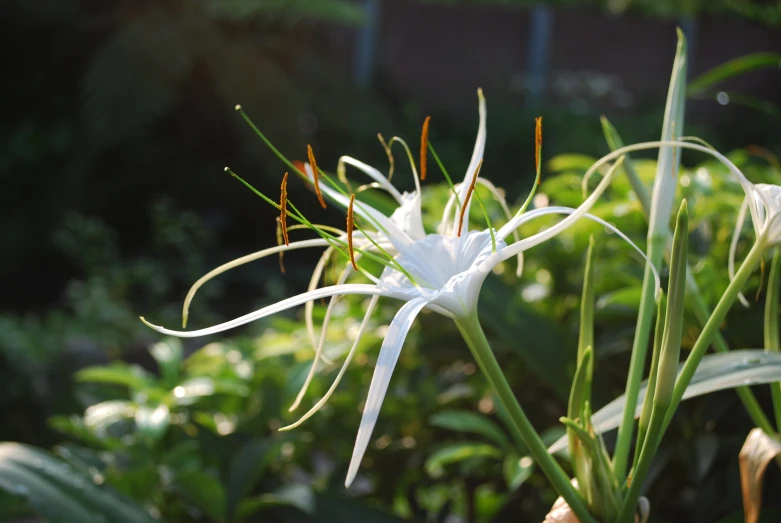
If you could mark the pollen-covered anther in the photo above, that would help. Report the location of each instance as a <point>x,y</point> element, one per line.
<point>315,175</point>
<point>280,241</point>
<point>350,226</point>
<point>468,196</point>
<point>537,142</point>
<point>424,148</point>
<point>283,210</point>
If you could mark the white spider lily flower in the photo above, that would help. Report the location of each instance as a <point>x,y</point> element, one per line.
<point>764,203</point>
<point>442,272</point>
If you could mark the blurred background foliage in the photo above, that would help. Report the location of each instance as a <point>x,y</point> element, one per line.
<point>117,122</point>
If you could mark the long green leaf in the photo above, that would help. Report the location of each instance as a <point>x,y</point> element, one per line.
<point>59,492</point>
<point>716,372</point>
<point>732,68</point>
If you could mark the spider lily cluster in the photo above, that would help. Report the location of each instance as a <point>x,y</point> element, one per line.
<point>443,271</point>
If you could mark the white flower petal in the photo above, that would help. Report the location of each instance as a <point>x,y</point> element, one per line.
<point>348,269</point>
<point>325,292</point>
<point>528,243</point>
<point>339,376</point>
<point>389,355</point>
<point>477,155</point>
<point>733,247</point>
<point>317,242</point>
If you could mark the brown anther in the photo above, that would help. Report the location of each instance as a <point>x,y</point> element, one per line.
<point>315,175</point>
<point>350,226</point>
<point>424,148</point>
<point>537,142</point>
<point>468,195</point>
<point>283,210</point>
<point>280,240</point>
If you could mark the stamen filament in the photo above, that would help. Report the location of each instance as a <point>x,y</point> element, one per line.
<point>315,175</point>
<point>487,219</point>
<point>388,152</point>
<point>444,173</point>
<point>280,240</point>
<point>537,145</point>
<point>468,195</point>
<point>283,210</point>
<point>350,224</point>
<point>423,148</point>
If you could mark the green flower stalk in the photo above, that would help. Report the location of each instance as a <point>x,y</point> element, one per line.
<point>666,371</point>
<point>665,184</point>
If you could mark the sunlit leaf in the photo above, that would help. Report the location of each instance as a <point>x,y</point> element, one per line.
<point>152,422</point>
<point>715,372</point>
<point>130,376</point>
<point>757,453</point>
<point>168,354</point>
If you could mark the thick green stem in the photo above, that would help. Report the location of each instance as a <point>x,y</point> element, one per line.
<point>652,437</point>
<point>712,326</point>
<point>475,338</point>
<point>772,341</point>
<point>702,313</point>
<point>637,363</point>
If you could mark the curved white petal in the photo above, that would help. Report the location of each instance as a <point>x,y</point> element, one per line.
<point>549,233</point>
<point>477,155</point>
<point>733,247</point>
<point>499,197</point>
<point>348,269</point>
<point>309,306</point>
<point>317,242</point>
<point>348,359</point>
<point>607,225</point>
<point>372,173</point>
<point>408,216</point>
<point>389,355</point>
<point>325,292</point>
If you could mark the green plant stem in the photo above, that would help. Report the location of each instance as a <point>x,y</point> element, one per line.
<point>652,437</point>
<point>637,363</point>
<point>702,313</point>
<point>772,342</point>
<point>474,336</point>
<point>712,326</point>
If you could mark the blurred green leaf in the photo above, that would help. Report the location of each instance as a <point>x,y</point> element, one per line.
<point>152,422</point>
<point>118,373</point>
<point>720,371</point>
<point>60,493</point>
<point>733,68</point>
<point>517,470</point>
<point>168,354</point>
<point>458,452</point>
<point>297,495</point>
<point>205,491</point>
<point>470,422</point>
<point>246,467</point>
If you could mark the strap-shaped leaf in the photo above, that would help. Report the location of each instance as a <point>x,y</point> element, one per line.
<point>716,372</point>
<point>60,493</point>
